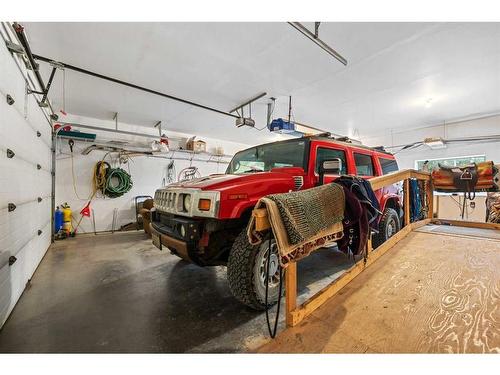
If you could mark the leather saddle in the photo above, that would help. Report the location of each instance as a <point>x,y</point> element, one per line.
<point>464,178</point>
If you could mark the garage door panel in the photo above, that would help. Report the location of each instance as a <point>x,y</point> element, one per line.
<point>21,183</point>
<point>23,139</point>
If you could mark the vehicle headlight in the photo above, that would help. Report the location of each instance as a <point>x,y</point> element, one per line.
<point>186,203</point>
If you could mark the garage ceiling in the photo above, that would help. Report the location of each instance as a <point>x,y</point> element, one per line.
<point>399,75</point>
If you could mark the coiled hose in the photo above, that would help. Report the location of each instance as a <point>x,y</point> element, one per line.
<point>112,182</point>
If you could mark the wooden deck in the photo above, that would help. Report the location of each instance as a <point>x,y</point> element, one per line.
<point>436,291</point>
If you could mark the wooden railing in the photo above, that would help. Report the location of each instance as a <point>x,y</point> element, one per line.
<point>295,314</point>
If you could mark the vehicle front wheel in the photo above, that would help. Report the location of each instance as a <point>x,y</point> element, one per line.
<point>246,272</point>
<point>389,225</point>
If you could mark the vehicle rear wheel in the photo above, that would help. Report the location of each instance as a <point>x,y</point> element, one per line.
<point>246,272</point>
<point>389,225</point>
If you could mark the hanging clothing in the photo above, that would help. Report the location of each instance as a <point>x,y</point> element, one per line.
<point>362,189</point>
<point>356,227</point>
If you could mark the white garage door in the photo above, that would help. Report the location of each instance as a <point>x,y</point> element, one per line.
<point>25,181</point>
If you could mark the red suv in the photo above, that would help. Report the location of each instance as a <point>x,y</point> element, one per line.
<point>204,220</point>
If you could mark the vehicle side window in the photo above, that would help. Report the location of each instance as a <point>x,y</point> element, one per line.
<point>388,165</point>
<point>323,154</point>
<point>364,164</point>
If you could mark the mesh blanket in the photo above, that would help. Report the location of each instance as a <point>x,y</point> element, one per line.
<point>302,221</point>
<point>493,208</point>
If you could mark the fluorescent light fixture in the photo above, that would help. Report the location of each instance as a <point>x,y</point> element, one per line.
<point>435,143</point>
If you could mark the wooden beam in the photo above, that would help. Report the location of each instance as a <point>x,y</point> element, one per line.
<point>261,219</point>
<point>430,199</point>
<point>291,292</point>
<point>391,178</point>
<point>467,224</point>
<point>406,205</point>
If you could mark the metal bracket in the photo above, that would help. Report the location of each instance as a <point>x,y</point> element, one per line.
<point>12,260</point>
<point>30,91</point>
<point>158,125</point>
<point>54,117</point>
<point>10,153</point>
<point>14,48</point>
<point>316,29</point>
<point>11,207</point>
<point>314,37</point>
<point>248,102</point>
<point>115,117</point>
<point>10,99</point>
<point>43,102</point>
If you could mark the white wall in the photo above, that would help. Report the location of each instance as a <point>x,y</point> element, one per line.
<point>147,173</point>
<point>21,183</point>
<point>475,127</point>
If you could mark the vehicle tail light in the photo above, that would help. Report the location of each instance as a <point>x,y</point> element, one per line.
<point>204,204</point>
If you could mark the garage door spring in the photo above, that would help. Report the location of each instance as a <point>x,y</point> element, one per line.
<point>112,182</point>
<point>272,332</point>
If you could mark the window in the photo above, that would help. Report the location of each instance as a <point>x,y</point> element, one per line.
<point>388,165</point>
<point>458,161</point>
<point>266,157</point>
<point>364,164</point>
<point>323,154</point>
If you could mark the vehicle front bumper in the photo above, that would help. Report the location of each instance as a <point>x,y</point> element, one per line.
<point>179,234</point>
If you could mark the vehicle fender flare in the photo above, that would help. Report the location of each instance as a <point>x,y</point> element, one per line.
<point>391,201</point>
<point>240,209</point>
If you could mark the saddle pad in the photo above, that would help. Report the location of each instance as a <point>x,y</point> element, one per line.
<point>493,207</point>
<point>302,221</point>
<point>443,178</point>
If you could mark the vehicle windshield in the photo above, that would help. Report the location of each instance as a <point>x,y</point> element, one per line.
<point>266,157</point>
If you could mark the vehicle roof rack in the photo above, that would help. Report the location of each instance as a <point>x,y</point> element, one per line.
<point>344,139</point>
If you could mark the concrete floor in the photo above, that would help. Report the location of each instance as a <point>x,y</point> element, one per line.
<point>118,293</point>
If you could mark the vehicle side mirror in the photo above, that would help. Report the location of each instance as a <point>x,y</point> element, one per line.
<point>333,166</point>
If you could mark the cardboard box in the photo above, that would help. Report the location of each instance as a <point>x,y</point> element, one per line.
<point>196,146</point>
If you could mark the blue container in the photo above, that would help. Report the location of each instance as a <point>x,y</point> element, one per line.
<point>58,220</point>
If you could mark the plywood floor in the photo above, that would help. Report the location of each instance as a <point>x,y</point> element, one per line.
<point>432,293</point>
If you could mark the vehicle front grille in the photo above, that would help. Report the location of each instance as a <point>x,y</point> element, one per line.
<point>166,200</point>
<point>298,181</point>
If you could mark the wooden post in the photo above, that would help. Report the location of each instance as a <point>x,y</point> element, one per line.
<point>406,207</point>
<point>291,292</point>
<point>430,199</point>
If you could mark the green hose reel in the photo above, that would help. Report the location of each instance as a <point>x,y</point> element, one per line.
<point>116,181</point>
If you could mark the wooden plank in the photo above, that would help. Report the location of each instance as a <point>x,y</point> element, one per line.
<point>261,219</point>
<point>430,199</point>
<point>469,224</point>
<point>406,205</point>
<point>333,288</point>
<point>291,291</point>
<point>389,179</point>
<point>420,175</point>
<point>418,300</point>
